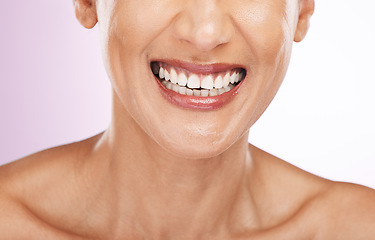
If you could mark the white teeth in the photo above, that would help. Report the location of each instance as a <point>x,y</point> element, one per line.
<point>218,82</point>
<point>237,77</point>
<point>194,81</point>
<point>207,82</point>
<point>232,78</point>
<point>169,85</point>
<point>196,93</point>
<point>193,85</point>
<point>220,91</point>
<point>161,73</point>
<point>167,76</point>
<point>182,90</point>
<point>213,92</point>
<point>189,92</point>
<point>242,75</point>
<point>204,93</point>
<point>182,79</point>
<point>226,79</point>
<point>175,88</point>
<point>173,76</point>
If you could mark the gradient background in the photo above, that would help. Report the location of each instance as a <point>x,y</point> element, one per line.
<point>54,89</point>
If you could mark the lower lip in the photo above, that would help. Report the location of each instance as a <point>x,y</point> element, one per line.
<point>198,103</point>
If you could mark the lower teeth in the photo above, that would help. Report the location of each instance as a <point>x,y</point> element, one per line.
<point>196,92</point>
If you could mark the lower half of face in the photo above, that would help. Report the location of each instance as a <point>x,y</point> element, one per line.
<point>195,75</point>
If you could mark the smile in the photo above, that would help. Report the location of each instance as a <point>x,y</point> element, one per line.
<point>199,87</point>
<point>202,83</point>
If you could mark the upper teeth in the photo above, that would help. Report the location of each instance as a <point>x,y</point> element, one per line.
<point>195,81</point>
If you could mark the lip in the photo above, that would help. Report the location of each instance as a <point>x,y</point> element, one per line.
<point>199,103</point>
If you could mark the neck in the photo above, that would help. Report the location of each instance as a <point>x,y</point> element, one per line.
<point>171,197</point>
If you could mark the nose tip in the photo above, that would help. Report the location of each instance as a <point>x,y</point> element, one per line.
<point>203,27</point>
<point>208,36</point>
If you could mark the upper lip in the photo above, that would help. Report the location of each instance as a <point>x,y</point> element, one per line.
<point>200,68</point>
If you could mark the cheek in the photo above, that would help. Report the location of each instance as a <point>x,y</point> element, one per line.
<point>268,37</point>
<point>131,33</point>
<point>123,42</point>
<point>265,29</point>
<point>140,22</point>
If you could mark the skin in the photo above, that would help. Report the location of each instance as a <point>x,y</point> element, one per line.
<point>164,172</point>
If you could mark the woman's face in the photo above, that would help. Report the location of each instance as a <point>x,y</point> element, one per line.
<point>201,43</point>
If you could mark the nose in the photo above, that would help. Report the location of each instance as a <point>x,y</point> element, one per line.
<point>203,24</point>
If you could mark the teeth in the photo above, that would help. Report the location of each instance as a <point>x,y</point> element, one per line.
<point>196,93</point>
<point>182,79</point>
<point>194,81</point>
<point>204,93</point>
<point>242,75</point>
<point>236,77</point>
<point>169,85</point>
<point>193,85</point>
<point>182,90</point>
<point>175,88</point>
<point>220,91</point>
<point>213,92</point>
<point>189,92</point>
<point>207,82</point>
<point>232,78</point>
<point>218,82</point>
<point>161,73</point>
<point>173,76</point>
<point>167,76</point>
<point>226,79</point>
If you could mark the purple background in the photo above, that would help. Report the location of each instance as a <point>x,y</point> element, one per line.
<point>54,89</point>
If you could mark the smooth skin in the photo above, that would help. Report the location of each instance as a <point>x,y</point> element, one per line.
<point>164,172</point>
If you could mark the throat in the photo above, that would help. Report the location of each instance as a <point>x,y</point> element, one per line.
<point>172,198</point>
<point>163,195</point>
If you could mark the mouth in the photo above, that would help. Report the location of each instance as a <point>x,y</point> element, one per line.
<point>199,87</point>
<point>198,80</point>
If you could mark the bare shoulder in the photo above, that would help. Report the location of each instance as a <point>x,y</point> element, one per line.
<point>342,211</point>
<point>289,196</point>
<point>39,169</point>
<point>30,186</point>
<point>324,209</point>
<point>348,212</point>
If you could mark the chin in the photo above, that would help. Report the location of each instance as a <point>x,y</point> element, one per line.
<point>195,152</point>
<point>203,147</point>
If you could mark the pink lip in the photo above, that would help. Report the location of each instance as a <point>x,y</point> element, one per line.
<point>199,103</point>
